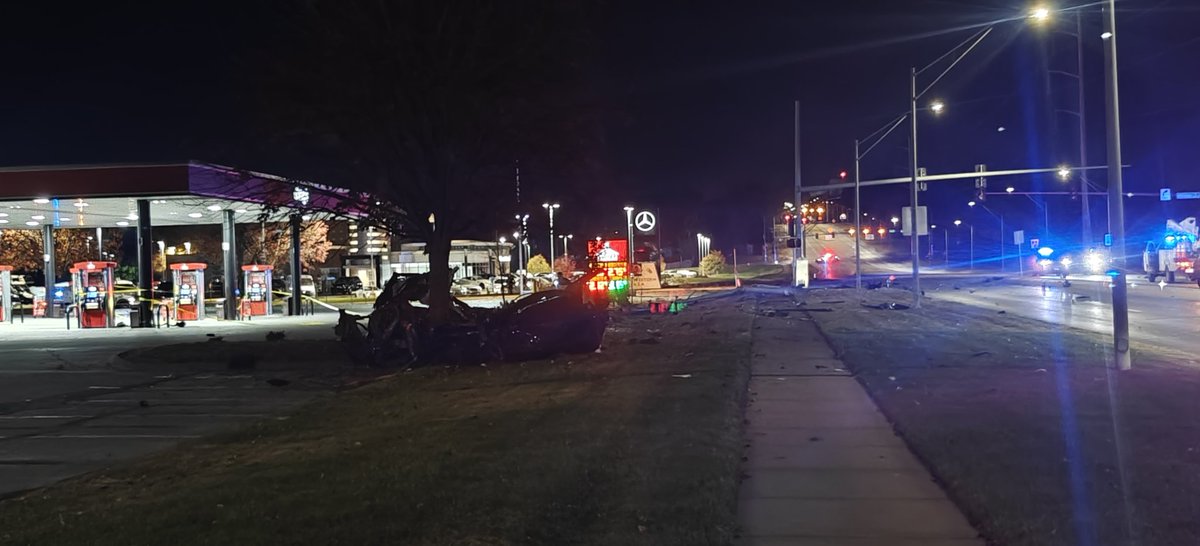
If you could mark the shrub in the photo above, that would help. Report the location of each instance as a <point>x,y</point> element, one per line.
<point>713,263</point>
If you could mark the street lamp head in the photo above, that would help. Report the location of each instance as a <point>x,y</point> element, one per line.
<point>894,219</point>
<point>958,222</point>
<point>1064,172</point>
<point>1010,189</point>
<point>1040,14</point>
<point>788,205</point>
<point>970,203</point>
<point>1106,35</point>
<point>937,107</point>
<point>628,209</point>
<point>503,239</point>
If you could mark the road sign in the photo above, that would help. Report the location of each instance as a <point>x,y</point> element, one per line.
<point>645,222</point>
<point>1188,195</point>
<point>1034,243</point>
<point>1164,194</point>
<point>922,221</point>
<point>1019,237</point>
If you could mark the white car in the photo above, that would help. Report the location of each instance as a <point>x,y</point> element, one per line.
<point>685,273</point>
<point>307,286</point>
<point>468,287</point>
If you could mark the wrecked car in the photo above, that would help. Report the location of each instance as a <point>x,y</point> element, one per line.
<point>537,325</point>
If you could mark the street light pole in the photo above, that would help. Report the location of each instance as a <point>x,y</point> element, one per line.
<point>916,230</point>
<point>1116,208</point>
<point>857,221</point>
<point>972,228</point>
<point>550,208</point>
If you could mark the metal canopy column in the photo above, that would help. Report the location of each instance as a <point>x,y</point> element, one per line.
<point>295,308</point>
<point>231,264</point>
<point>48,267</point>
<point>145,263</point>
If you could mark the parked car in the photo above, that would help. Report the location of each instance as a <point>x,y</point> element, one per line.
<point>308,287</point>
<point>346,285</point>
<point>126,294</point>
<point>467,287</point>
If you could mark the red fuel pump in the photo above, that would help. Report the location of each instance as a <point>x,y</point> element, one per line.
<point>257,280</point>
<point>6,293</point>
<point>189,290</point>
<point>92,284</point>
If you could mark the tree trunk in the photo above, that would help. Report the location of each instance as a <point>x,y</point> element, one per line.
<point>438,250</point>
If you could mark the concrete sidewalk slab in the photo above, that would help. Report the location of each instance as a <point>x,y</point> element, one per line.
<point>823,465</point>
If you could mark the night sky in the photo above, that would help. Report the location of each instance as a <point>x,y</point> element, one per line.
<point>700,98</point>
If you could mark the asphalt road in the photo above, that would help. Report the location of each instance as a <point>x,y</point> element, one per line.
<point>1163,317</point>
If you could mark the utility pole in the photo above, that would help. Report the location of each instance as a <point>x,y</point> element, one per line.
<point>1116,208</point>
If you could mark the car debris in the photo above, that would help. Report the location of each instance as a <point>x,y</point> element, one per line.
<point>537,325</point>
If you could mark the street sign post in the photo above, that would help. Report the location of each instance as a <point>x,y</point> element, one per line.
<point>1164,194</point>
<point>1034,243</point>
<point>1019,237</point>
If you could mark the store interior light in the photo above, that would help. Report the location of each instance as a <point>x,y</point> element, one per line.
<point>123,223</point>
<point>41,201</point>
<point>194,215</point>
<point>213,208</point>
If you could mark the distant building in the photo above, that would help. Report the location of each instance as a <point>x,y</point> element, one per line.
<point>472,258</point>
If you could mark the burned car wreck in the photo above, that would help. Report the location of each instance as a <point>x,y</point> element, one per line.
<point>398,332</point>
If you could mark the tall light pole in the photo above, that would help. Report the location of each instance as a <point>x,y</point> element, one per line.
<point>1116,207</point>
<point>974,40</point>
<point>564,239</point>
<point>550,208</point>
<point>915,229</point>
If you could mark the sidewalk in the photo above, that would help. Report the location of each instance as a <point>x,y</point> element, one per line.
<point>823,466</point>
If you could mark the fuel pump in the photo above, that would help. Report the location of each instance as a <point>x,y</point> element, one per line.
<point>6,293</point>
<point>92,285</point>
<point>257,280</point>
<point>189,290</point>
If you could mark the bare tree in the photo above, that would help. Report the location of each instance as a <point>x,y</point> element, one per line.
<point>420,108</point>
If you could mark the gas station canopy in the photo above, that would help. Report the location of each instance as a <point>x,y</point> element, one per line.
<point>148,195</point>
<point>106,195</point>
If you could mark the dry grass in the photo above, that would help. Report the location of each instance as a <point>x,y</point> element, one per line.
<point>603,448</point>
<point>1025,425</point>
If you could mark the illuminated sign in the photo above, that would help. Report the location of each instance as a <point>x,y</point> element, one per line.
<point>608,250</point>
<point>610,255</point>
<point>645,221</point>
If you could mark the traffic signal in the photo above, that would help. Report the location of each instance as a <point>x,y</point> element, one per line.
<point>981,184</point>
<point>791,224</point>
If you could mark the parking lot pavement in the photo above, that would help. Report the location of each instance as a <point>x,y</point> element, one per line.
<point>64,410</point>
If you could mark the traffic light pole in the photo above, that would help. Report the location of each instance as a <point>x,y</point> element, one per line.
<point>916,230</point>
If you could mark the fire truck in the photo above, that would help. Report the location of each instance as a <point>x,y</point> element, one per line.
<point>1174,254</point>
